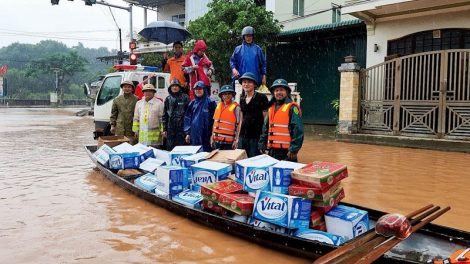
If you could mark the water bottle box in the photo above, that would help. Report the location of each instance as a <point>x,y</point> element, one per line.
<point>172,179</point>
<point>189,198</point>
<point>213,206</point>
<point>144,151</point>
<point>186,148</point>
<point>151,164</point>
<point>162,155</point>
<point>329,203</point>
<point>215,189</point>
<point>321,236</point>
<point>163,194</point>
<point>269,226</point>
<point>187,161</point>
<point>312,193</point>
<point>147,182</point>
<point>237,217</point>
<point>319,174</point>
<point>209,172</point>
<point>253,172</point>
<point>102,154</point>
<point>238,203</point>
<point>347,222</point>
<point>279,176</point>
<point>283,210</point>
<point>124,148</point>
<point>124,160</point>
<point>178,152</point>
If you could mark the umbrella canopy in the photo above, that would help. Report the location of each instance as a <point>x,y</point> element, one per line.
<point>165,32</point>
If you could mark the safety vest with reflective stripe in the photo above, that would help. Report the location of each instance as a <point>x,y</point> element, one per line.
<point>279,136</point>
<point>225,122</point>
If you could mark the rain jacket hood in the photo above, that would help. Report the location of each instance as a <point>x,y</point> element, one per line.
<point>200,44</point>
<point>199,120</point>
<point>249,58</point>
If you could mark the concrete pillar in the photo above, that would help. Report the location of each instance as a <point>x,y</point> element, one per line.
<point>349,96</point>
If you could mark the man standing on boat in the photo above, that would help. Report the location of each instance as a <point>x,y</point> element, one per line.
<point>283,131</point>
<point>173,115</point>
<point>148,118</point>
<point>253,107</point>
<point>226,121</point>
<point>173,65</point>
<point>122,112</point>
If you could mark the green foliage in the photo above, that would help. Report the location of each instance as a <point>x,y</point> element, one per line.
<point>335,106</point>
<point>221,28</point>
<point>152,59</point>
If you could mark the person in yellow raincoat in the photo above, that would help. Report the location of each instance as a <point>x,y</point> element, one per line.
<point>147,125</point>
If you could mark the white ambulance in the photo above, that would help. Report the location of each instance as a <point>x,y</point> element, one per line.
<point>111,88</point>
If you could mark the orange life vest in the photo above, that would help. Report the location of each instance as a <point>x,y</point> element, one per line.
<point>279,136</point>
<point>459,257</point>
<point>225,122</point>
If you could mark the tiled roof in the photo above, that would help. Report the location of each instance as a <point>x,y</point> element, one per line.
<point>321,27</point>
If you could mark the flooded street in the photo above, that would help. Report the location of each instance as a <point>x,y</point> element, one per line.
<point>56,209</point>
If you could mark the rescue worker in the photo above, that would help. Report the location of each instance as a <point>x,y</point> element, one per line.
<point>173,65</point>
<point>248,57</point>
<point>198,120</point>
<point>226,121</point>
<point>148,118</point>
<point>283,131</point>
<point>198,66</point>
<point>173,115</point>
<point>122,112</point>
<point>253,107</point>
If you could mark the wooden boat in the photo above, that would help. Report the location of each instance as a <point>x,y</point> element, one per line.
<point>428,243</point>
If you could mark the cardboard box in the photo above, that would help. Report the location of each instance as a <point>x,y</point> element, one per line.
<point>208,171</point>
<point>279,175</point>
<point>347,222</point>
<point>151,164</point>
<point>319,236</point>
<point>312,193</point>
<point>111,141</point>
<point>213,206</point>
<point>124,160</point>
<point>320,174</point>
<point>317,221</point>
<point>178,152</point>
<point>172,179</point>
<point>253,172</point>
<point>283,210</point>
<point>147,182</point>
<point>269,226</point>
<point>102,154</point>
<point>163,155</point>
<point>241,204</point>
<point>189,198</point>
<point>124,148</point>
<point>215,189</point>
<point>144,151</point>
<point>187,161</point>
<point>227,156</point>
<point>330,202</point>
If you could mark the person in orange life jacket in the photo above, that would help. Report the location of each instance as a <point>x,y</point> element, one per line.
<point>173,65</point>
<point>253,107</point>
<point>198,66</point>
<point>226,121</point>
<point>198,120</point>
<point>283,131</point>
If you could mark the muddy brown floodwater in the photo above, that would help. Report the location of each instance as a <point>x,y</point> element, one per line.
<point>54,208</point>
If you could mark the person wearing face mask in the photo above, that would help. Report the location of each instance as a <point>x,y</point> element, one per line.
<point>198,66</point>
<point>173,65</point>
<point>148,118</point>
<point>198,120</point>
<point>283,131</point>
<point>173,115</point>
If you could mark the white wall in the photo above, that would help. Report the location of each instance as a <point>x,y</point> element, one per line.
<point>196,9</point>
<point>389,30</point>
<point>167,11</point>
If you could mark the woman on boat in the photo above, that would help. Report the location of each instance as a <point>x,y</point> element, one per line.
<point>148,118</point>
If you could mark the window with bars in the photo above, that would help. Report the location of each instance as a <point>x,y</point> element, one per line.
<point>336,13</point>
<point>431,40</point>
<point>298,7</point>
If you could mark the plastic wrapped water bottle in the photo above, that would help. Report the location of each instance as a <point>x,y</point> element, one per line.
<point>296,210</point>
<point>278,178</point>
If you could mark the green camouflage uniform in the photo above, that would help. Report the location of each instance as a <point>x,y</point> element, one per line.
<point>122,114</point>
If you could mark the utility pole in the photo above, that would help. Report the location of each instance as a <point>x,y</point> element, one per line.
<point>128,9</point>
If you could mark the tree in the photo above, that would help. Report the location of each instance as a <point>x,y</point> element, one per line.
<point>221,29</point>
<point>66,65</point>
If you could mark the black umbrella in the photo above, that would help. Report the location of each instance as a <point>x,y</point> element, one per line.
<point>165,32</point>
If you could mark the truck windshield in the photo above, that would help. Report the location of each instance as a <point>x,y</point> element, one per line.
<point>109,90</point>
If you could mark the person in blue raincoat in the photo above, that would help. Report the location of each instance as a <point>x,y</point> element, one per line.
<point>248,57</point>
<point>198,120</point>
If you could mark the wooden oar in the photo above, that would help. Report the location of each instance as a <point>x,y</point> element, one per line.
<point>358,252</point>
<point>360,240</point>
<point>383,248</point>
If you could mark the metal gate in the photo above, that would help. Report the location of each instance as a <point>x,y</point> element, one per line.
<point>421,95</point>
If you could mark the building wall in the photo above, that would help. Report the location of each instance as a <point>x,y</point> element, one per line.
<point>166,12</point>
<point>283,11</point>
<point>389,30</point>
<point>195,9</point>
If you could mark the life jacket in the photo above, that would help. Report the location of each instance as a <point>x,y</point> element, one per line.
<point>225,122</point>
<point>459,257</point>
<point>279,136</point>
